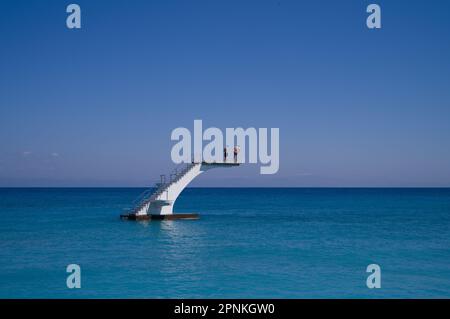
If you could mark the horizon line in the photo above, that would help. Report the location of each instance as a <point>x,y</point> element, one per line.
<point>228,187</point>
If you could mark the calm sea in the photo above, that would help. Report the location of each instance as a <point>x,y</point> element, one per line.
<point>249,242</point>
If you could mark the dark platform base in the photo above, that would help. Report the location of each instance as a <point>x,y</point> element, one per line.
<point>160,217</point>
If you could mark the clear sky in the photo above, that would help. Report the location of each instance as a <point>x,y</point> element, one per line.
<point>96,106</point>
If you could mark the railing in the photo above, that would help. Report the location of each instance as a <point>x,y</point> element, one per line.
<point>142,196</point>
<point>177,173</point>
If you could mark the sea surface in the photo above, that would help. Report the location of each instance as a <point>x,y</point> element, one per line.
<point>249,242</point>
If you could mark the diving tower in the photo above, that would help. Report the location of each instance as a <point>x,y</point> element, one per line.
<point>157,203</point>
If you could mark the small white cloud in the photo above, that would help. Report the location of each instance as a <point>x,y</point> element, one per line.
<point>54,154</point>
<point>26,153</point>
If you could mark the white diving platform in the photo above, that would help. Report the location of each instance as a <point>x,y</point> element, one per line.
<point>158,203</point>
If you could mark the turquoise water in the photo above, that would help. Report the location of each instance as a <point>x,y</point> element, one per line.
<point>283,243</point>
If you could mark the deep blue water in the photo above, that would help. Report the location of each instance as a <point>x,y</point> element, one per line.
<point>283,243</point>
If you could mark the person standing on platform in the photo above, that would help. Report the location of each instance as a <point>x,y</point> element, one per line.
<point>225,154</point>
<point>235,153</point>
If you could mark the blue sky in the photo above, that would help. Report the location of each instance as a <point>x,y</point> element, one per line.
<point>96,106</point>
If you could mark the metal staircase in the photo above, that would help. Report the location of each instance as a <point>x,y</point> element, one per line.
<point>153,195</point>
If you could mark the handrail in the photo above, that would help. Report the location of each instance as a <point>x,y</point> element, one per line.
<point>143,199</point>
<point>142,196</point>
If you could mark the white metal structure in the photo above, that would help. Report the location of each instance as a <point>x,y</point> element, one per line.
<point>162,199</point>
